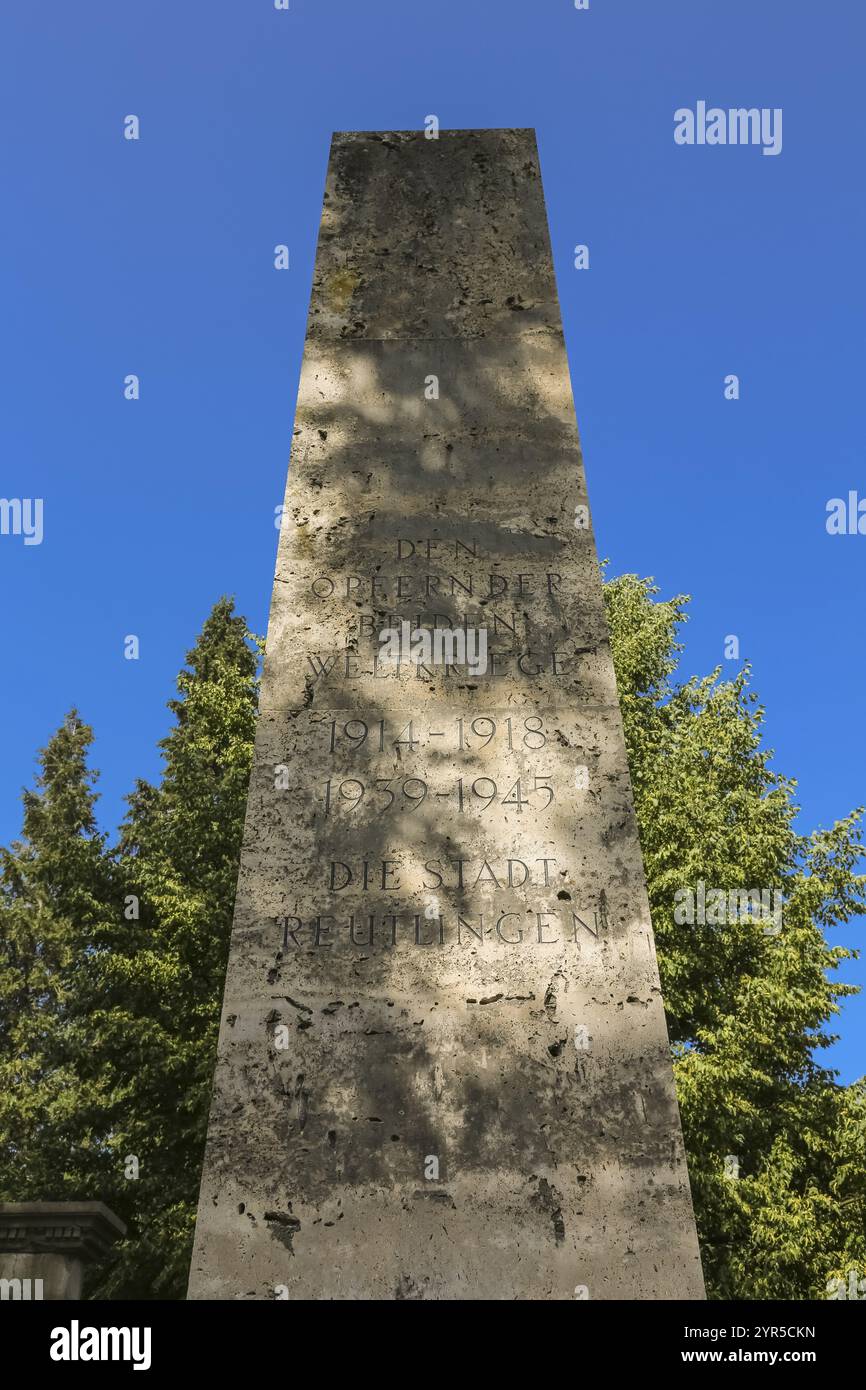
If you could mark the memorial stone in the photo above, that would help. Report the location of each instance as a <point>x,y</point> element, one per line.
<point>443,1067</point>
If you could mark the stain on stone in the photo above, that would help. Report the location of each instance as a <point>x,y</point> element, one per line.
<point>548,1200</point>
<point>283,1227</point>
<point>295,1005</point>
<point>550,996</point>
<point>602,910</point>
<point>301,1097</point>
<point>408,1289</point>
<point>339,289</point>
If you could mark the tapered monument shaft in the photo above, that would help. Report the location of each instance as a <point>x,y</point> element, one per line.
<point>443,1067</point>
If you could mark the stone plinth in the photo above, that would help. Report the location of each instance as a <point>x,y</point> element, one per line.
<point>443,1068</point>
<point>44,1246</point>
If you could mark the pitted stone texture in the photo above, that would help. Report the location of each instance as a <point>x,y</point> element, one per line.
<point>443,1067</point>
<point>425,238</point>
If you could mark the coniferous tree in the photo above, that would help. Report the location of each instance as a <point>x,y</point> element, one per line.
<point>58,914</point>
<point>178,862</point>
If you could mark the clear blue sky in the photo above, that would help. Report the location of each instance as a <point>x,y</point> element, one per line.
<point>156,258</point>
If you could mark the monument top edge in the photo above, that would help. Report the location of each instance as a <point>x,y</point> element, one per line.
<point>422,135</point>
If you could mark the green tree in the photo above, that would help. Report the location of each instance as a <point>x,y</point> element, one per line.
<point>747,1011</point>
<point>58,913</point>
<point>178,862</point>
<point>112,965</point>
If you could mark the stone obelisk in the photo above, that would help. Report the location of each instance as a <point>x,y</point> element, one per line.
<point>443,1067</point>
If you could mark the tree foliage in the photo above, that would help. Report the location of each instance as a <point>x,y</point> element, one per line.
<point>113,971</point>
<point>748,1012</point>
<point>112,961</point>
<point>58,909</point>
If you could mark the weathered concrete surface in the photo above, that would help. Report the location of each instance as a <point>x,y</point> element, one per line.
<point>444,1075</point>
